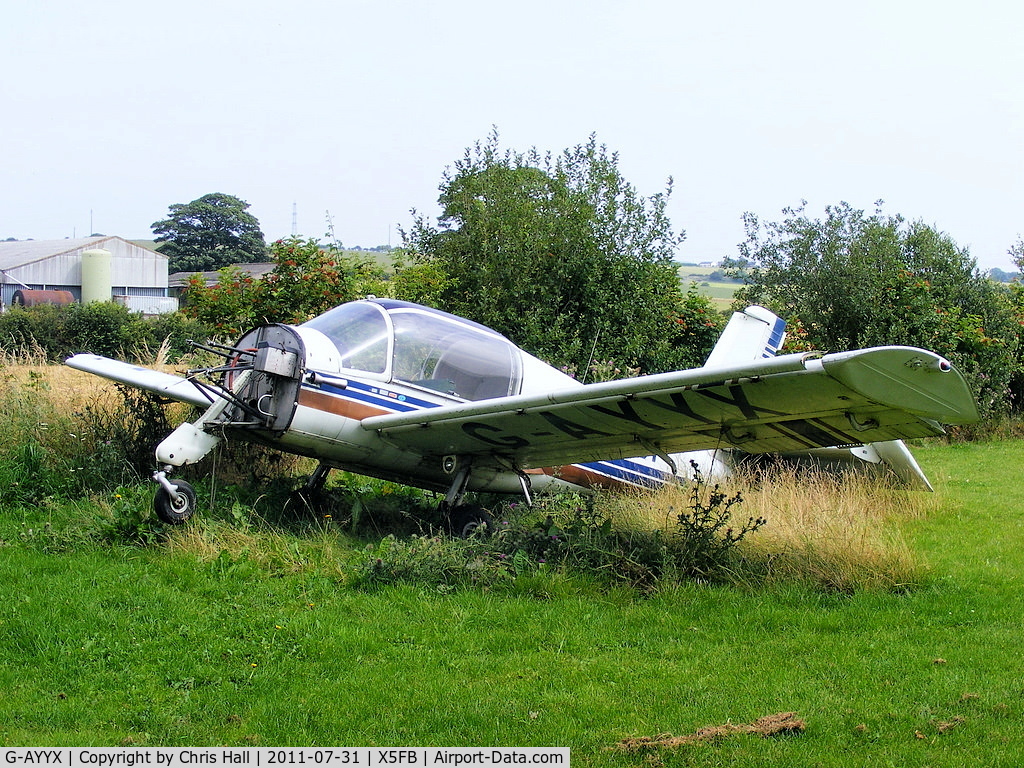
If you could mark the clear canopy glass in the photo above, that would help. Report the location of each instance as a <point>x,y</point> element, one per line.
<point>425,347</point>
<point>360,332</point>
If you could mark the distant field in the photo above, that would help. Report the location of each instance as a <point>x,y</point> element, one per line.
<point>720,293</point>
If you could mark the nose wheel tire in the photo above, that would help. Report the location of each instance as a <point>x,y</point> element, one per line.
<point>176,509</point>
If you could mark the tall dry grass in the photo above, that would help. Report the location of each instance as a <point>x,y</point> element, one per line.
<point>838,533</point>
<point>67,389</point>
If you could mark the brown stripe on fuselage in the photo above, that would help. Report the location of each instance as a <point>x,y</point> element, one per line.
<point>340,406</point>
<point>581,476</point>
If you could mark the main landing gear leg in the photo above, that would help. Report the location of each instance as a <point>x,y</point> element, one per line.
<point>310,497</point>
<point>465,520</point>
<point>316,481</point>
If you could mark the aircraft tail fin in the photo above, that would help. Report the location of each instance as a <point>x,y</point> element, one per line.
<point>750,335</point>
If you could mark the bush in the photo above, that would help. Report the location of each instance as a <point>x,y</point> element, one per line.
<point>307,279</point>
<point>102,328</point>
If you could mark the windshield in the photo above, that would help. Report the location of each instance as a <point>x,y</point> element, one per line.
<point>360,333</point>
<point>439,353</point>
<point>424,347</point>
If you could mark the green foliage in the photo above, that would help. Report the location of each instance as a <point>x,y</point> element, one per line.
<point>102,328</point>
<point>46,454</point>
<point>697,326</point>
<point>852,280</point>
<point>126,433</point>
<point>1016,253</point>
<point>30,331</point>
<point>561,255</point>
<point>1016,288</point>
<point>571,533</point>
<point>422,282</point>
<point>31,473</point>
<point>208,233</point>
<point>131,519</point>
<point>307,279</point>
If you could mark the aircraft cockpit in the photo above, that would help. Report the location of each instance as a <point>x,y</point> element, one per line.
<point>408,343</point>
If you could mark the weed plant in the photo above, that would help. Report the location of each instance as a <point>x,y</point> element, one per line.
<point>572,533</point>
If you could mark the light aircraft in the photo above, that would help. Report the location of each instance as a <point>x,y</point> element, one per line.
<point>414,395</point>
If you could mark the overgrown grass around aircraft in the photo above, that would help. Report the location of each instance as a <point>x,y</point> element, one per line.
<point>251,627</point>
<point>233,631</point>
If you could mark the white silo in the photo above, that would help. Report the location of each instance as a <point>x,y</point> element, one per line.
<point>96,280</point>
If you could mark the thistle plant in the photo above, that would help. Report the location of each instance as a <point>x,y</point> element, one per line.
<point>704,536</point>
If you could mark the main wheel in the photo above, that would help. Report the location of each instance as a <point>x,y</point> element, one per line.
<point>470,520</point>
<point>175,510</point>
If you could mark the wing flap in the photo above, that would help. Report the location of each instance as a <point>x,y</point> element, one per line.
<point>164,384</point>
<point>789,403</point>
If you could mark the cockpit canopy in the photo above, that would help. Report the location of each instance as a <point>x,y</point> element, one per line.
<point>399,341</point>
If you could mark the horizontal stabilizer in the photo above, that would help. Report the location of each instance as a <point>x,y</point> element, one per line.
<point>891,457</point>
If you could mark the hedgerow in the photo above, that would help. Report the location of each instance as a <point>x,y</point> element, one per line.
<point>104,328</point>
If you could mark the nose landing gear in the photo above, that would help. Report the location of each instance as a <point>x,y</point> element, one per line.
<point>175,500</point>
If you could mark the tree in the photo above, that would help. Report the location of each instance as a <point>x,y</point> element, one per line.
<point>1016,253</point>
<point>852,280</point>
<point>560,254</point>
<point>209,233</point>
<point>307,279</point>
<point>1002,276</point>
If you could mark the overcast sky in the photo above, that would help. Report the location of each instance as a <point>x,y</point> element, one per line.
<point>112,110</point>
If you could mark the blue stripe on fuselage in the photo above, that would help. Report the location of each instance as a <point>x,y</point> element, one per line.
<point>380,396</point>
<point>622,470</point>
<point>629,471</point>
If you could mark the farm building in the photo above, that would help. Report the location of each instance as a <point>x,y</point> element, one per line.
<point>257,270</point>
<point>131,274</point>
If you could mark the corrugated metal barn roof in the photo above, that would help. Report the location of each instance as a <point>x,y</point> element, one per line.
<point>18,253</point>
<point>57,265</point>
<point>255,269</point>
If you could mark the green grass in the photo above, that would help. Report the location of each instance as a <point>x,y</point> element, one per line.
<point>720,294</point>
<point>105,644</point>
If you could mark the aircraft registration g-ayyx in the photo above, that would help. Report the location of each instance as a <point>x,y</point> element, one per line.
<point>410,394</point>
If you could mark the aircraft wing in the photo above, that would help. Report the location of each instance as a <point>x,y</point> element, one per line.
<point>788,403</point>
<point>164,384</point>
